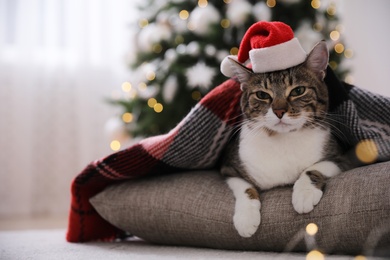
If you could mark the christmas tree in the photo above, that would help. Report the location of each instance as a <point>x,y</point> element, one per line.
<point>180,45</point>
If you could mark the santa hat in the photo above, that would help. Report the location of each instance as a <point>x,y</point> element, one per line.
<point>269,46</point>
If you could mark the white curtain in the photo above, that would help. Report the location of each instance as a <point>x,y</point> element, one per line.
<point>59,60</point>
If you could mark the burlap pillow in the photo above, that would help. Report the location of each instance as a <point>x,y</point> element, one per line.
<point>196,209</point>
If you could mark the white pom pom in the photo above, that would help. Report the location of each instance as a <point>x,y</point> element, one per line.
<point>226,66</point>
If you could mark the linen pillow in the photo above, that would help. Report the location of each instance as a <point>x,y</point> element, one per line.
<point>196,209</point>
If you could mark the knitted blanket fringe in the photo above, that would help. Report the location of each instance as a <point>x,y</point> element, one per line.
<point>357,116</point>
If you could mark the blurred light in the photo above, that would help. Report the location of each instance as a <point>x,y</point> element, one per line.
<point>360,257</point>
<point>316,4</point>
<point>331,10</point>
<point>317,27</point>
<point>150,75</point>
<point>339,48</point>
<point>191,26</point>
<point>271,3</point>
<point>196,95</point>
<point>202,3</point>
<point>115,145</point>
<point>152,102</point>
<point>333,64</point>
<point>179,39</point>
<point>132,94</point>
<point>227,1</point>
<point>142,86</point>
<point>315,255</point>
<point>348,53</point>
<point>126,86</point>
<point>225,23</point>
<point>143,22</point>
<point>127,117</point>
<point>158,108</point>
<point>184,14</point>
<point>334,35</point>
<point>311,229</point>
<point>157,48</point>
<point>366,151</point>
<point>349,79</point>
<point>234,51</point>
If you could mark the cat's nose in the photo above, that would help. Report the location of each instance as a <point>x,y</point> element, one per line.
<point>279,112</point>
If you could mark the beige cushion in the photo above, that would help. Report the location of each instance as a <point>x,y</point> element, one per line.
<point>196,209</point>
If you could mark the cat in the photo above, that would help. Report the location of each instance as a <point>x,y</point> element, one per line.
<point>284,138</point>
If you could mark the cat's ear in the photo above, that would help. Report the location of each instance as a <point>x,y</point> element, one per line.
<point>318,59</point>
<point>240,71</point>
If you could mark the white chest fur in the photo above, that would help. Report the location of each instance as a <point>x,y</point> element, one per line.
<point>280,159</point>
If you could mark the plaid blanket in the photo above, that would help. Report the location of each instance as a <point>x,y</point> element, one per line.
<point>197,141</point>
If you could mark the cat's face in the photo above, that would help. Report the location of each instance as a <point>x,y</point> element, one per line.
<point>287,100</point>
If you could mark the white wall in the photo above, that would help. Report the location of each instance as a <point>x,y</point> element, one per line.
<point>367,32</point>
<point>59,60</point>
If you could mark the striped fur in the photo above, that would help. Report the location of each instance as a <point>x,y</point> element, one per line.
<point>283,134</point>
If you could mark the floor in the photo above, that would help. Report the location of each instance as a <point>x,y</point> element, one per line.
<point>51,244</point>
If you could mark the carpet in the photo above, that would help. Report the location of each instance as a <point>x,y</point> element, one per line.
<point>51,244</point>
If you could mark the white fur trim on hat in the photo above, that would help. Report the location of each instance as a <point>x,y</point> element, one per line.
<point>277,57</point>
<point>226,66</point>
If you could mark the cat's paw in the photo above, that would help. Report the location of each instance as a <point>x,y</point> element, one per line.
<point>247,217</point>
<point>305,195</point>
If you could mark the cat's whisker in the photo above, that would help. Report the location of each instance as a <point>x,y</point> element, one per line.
<point>327,123</point>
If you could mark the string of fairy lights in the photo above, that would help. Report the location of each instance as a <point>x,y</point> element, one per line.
<point>133,90</point>
<point>366,151</point>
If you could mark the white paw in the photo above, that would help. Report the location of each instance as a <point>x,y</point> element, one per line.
<point>305,195</point>
<point>247,217</point>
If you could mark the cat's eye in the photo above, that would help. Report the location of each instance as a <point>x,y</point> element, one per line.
<point>263,95</point>
<point>297,91</point>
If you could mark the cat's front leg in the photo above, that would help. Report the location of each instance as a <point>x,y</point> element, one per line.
<point>246,217</point>
<point>308,189</point>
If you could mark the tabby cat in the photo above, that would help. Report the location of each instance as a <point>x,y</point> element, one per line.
<point>284,138</point>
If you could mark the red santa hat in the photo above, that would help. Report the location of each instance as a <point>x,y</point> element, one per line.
<point>269,46</point>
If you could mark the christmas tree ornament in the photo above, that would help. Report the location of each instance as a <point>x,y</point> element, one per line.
<point>262,12</point>
<point>181,49</point>
<point>152,34</point>
<point>200,76</point>
<point>238,11</point>
<point>221,54</point>
<point>170,56</point>
<point>268,46</point>
<point>307,37</point>
<point>148,91</point>
<point>170,89</point>
<point>201,18</point>
<point>193,48</point>
<point>210,50</point>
